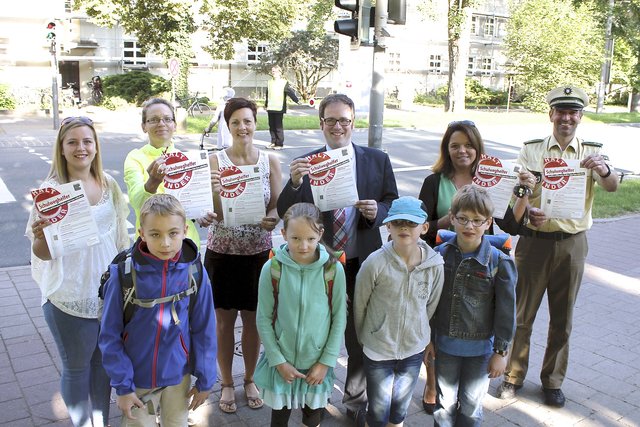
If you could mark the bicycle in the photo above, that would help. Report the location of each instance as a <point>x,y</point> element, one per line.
<point>96,89</point>
<point>196,106</point>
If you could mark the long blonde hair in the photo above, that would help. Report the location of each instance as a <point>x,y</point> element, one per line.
<point>59,170</point>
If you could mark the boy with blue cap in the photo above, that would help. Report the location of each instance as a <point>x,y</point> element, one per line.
<point>396,294</point>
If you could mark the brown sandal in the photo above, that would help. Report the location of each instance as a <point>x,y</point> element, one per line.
<point>227,406</point>
<point>254,402</point>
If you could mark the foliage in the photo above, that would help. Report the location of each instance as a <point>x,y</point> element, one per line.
<point>546,52</point>
<point>114,103</point>
<point>475,93</point>
<point>308,55</point>
<point>232,21</point>
<point>162,26</point>
<point>7,101</point>
<point>135,86</point>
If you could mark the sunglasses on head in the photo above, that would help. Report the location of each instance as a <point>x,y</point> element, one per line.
<point>82,119</point>
<point>461,122</point>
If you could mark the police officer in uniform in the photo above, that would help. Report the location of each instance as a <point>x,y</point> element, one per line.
<point>276,105</point>
<point>551,252</point>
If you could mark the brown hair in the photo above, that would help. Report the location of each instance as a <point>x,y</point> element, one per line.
<point>472,198</point>
<point>153,101</point>
<point>235,104</point>
<point>444,165</point>
<point>162,205</point>
<point>59,169</point>
<point>312,215</point>
<point>333,99</point>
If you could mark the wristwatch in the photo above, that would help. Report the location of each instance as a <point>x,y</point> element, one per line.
<point>502,353</point>
<point>521,191</point>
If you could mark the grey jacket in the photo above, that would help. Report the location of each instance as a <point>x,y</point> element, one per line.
<point>393,307</point>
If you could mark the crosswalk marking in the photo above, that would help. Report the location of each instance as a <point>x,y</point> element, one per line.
<point>5,194</point>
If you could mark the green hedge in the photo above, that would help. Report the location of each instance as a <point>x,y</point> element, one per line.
<point>7,101</point>
<point>135,86</point>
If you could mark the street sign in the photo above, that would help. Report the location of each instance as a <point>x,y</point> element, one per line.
<point>174,67</point>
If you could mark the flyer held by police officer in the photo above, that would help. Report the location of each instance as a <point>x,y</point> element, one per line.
<point>67,208</point>
<point>564,186</point>
<point>332,179</point>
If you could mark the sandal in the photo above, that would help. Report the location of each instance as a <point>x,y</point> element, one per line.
<point>228,406</point>
<point>253,401</point>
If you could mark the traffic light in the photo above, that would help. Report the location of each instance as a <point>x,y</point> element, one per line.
<point>51,31</point>
<point>357,27</point>
<point>397,12</point>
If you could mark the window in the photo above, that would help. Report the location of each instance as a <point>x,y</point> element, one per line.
<point>133,53</point>
<point>474,25</point>
<point>472,63</point>
<point>255,51</point>
<point>489,27</point>
<point>435,63</point>
<point>487,65</point>
<point>393,64</point>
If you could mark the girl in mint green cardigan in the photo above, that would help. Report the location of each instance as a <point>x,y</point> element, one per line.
<point>301,320</point>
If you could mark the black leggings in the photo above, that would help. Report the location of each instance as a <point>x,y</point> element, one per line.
<point>310,417</point>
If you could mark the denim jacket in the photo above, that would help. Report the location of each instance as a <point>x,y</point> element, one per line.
<point>478,297</point>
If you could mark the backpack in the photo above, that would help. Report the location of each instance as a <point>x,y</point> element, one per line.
<point>127,278</point>
<point>502,242</point>
<point>329,276</point>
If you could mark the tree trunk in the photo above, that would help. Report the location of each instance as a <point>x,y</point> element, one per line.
<point>459,40</point>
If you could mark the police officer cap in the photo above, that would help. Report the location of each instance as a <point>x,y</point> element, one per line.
<point>229,93</point>
<point>568,97</point>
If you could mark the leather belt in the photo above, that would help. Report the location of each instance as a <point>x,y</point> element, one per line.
<point>554,235</point>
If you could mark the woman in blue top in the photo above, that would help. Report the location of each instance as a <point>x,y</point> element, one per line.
<point>301,320</point>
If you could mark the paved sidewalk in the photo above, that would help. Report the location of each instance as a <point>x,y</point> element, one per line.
<point>602,385</point>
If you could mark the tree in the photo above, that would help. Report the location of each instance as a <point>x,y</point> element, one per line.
<point>163,26</point>
<point>232,21</point>
<point>458,34</point>
<point>553,42</point>
<point>308,55</point>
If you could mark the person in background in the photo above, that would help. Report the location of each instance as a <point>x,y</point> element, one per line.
<point>224,136</point>
<point>235,254</point>
<point>69,284</point>
<point>276,105</point>
<point>551,252</point>
<point>354,229</point>
<point>301,320</point>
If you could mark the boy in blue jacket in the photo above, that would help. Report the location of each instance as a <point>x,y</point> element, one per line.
<point>475,318</point>
<point>151,357</point>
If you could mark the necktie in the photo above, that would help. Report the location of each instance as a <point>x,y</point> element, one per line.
<point>339,228</point>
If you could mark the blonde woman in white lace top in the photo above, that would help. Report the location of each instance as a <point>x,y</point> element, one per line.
<point>70,284</point>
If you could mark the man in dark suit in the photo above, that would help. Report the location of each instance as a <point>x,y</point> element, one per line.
<point>376,185</point>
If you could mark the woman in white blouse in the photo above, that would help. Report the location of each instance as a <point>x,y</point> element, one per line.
<point>69,284</point>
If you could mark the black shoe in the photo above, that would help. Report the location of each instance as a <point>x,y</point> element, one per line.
<point>507,390</point>
<point>553,397</point>
<point>428,407</point>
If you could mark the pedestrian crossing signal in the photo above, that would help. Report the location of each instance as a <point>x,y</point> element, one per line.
<point>51,31</point>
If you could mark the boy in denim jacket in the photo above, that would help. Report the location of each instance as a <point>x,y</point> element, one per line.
<point>475,318</point>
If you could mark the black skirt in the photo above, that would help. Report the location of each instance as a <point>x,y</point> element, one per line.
<point>234,279</point>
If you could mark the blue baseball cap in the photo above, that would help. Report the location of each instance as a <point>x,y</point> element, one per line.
<point>407,208</point>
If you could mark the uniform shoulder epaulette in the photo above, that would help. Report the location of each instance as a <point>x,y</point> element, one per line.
<point>592,144</point>
<point>533,141</point>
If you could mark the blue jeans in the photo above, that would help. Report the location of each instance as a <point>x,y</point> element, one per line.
<point>84,384</point>
<point>390,384</point>
<point>461,383</point>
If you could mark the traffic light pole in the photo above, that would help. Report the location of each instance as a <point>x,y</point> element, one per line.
<point>54,84</point>
<point>376,97</point>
